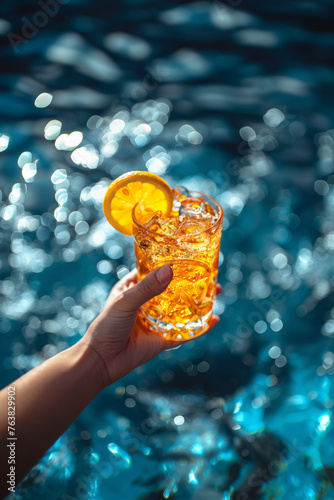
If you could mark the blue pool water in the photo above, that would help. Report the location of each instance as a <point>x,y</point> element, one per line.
<point>230,98</point>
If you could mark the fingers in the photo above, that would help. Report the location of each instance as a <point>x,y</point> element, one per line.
<point>153,284</point>
<point>122,285</point>
<point>132,276</point>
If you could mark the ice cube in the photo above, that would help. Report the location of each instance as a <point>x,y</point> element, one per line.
<point>193,206</point>
<point>162,225</point>
<point>193,225</point>
<point>154,222</point>
<point>180,193</point>
<point>142,213</point>
<point>170,226</point>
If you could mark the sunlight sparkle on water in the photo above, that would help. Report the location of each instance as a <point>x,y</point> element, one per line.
<point>43,100</point>
<point>4,141</point>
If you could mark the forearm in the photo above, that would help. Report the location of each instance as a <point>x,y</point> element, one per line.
<point>47,400</point>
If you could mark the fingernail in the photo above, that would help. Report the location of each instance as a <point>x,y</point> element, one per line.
<point>164,274</point>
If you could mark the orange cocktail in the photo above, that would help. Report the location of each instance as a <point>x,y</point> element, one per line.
<point>188,240</point>
<point>175,227</point>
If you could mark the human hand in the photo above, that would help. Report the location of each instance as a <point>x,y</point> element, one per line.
<point>118,338</point>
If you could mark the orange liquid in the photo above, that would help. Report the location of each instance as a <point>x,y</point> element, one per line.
<point>189,244</point>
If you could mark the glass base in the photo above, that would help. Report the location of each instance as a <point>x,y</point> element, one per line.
<point>179,331</point>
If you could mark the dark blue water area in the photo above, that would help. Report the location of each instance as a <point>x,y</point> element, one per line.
<point>234,99</point>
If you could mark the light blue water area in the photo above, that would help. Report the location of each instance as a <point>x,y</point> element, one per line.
<point>233,99</point>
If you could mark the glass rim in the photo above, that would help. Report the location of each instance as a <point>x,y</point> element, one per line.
<point>184,236</point>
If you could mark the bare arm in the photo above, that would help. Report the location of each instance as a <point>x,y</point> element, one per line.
<point>47,400</point>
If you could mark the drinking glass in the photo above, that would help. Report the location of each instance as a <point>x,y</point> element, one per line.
<point>188,241</point>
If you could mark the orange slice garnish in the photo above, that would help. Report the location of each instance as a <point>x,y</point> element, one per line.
<point>128,190</point>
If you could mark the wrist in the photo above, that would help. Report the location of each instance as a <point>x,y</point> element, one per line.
<point>92,365</point>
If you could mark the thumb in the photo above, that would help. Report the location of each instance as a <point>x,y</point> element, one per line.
<point>153,284</point>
